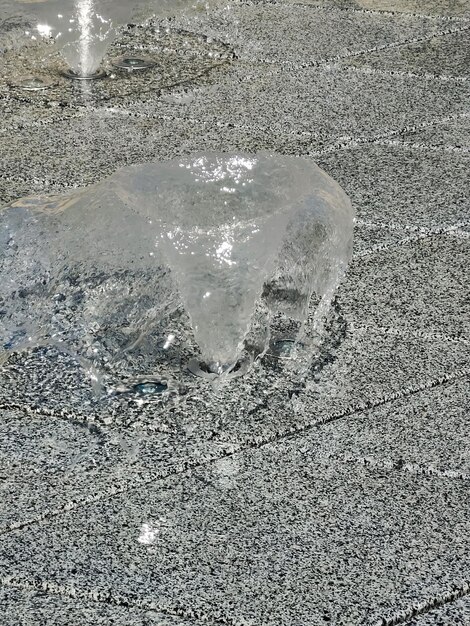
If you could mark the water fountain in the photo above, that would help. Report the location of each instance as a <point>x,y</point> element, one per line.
<point>82,31</point>
<point>239,244</point>
<point>51,41</point>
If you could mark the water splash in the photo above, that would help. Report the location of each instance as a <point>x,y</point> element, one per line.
<point>84,37</point>
<point>243,242</point>
<point>81,29</point>
<point>84,29</point>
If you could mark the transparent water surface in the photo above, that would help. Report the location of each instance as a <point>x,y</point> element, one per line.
<point>230,246</point>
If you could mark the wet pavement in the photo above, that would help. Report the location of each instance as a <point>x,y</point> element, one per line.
<point>343,502</point>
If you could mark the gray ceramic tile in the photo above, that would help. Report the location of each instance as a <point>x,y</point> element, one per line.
<point>276,536</point>
<point>446,57</point>
<point>398,186</point>
<point>39,608</point>
<point>420,285</point>
<point>294,36</point>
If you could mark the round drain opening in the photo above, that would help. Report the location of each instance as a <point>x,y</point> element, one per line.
<point>132,64</point>
<point>33,83</point>
<point>150,388</point>
<point>285,347</point>
<point>203,370</point>
<point>74,76</point>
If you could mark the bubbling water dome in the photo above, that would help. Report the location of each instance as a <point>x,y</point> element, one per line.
<point>224,234</point>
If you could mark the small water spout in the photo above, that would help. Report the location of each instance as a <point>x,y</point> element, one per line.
<point>82,30</point>
<point>242,242</point>
<point>84,37</point>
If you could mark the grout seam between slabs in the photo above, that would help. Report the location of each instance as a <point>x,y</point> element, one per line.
<point>374,71</point>
<point>343,144</point>
<point>352,9</point>
<point>416,469</point>
<point>413,228</point>
<point>249,444</point>
<point>85,109</point>
<point>108,597</point>
<point>426,606</point>
<point>409,332</point>
<point>424,146</point>
<point>347,143</point>
<point>434,232</point>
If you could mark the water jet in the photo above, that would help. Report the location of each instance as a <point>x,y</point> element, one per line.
<point>226,250</point>
<point>97,75</point>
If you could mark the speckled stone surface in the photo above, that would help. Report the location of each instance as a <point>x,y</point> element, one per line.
<point>424,433</point>
<point>294,37</point>
<point>423,287</point>
<point>450,136</point>
<point>439,8</point>
<point>250,105</point>
<point>341,499</point>
<point>447,54</point>
<point>126,442</point>
<point>332,103</point>
<point>398,187</point>
<point>272,536</point>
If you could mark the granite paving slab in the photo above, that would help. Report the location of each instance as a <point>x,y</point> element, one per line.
<point>179,57</point>
<point>123,439</point>
<point>78,152</point>
<point>446,57</point>
<point>329,106</point>
<point>456,613</point>
<point>419,285</point>
<point>20,607</point>
<point>438,8</point>
<point>294,36</point>
<point>337,495</point>
<point>424,433</point>
<point>393,185</point>
<point>449,136</point>
<point>270,536</point>
<point>334,103</point>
